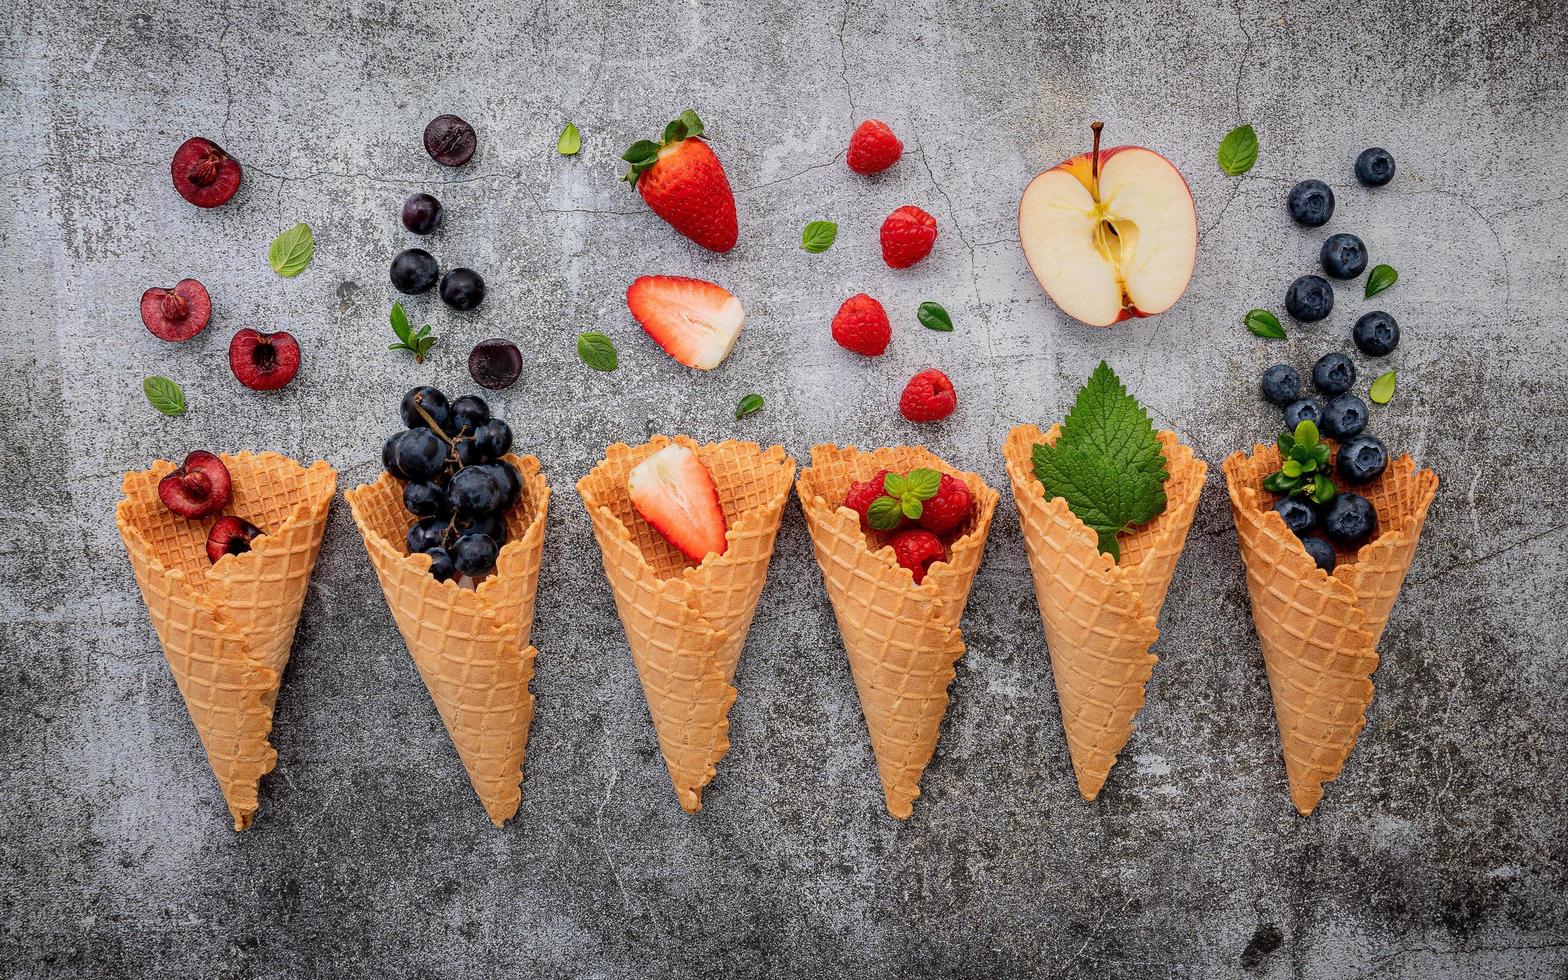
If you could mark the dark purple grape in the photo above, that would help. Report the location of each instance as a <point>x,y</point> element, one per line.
<point>441,565</point>
<point>450,141</point>
<point>511,483</point>
<point>495,363</point>
<point>468,413</point>
<point>463,289</point>
<point>474,554</point>
<point>493,439</point>
<point>424,499</point>
<point>422,214</point>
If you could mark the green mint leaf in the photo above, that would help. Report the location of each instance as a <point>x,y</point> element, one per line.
<point>1380,278</point>
<point>748,404</point>
<point>1239,150</point>
<point>933,317</point>
<point>1306,434</point>
<point>1290,468</point>
<point>1323,489</point>
<point>885,513</point>
<point>570,141</point>
<point>597,351</point>
<point>1107,462</point>
<point>1383,388</point>
<point>400,323</point>
<point>895,485</point>
<point>912,507</point>
<point>417,342</point>
<point>1264,324</point>
<point>922,484</point>
<point>1109,545</point>
<point>292,251</point>
<point>164,395</point>
<point>691,122</point>
<point>819,236</point>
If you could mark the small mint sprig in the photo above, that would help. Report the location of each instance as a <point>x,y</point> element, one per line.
<point>417,342</point>
<point>903,496</point>
<point>1304,470</point>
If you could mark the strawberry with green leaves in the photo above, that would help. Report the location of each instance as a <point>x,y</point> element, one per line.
<point>683,181</point>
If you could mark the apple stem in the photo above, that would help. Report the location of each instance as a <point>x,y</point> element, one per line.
<point>1094,162</point>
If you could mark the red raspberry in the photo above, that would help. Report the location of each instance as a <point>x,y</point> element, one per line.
<point>917,549</point>
<point>861,326</point>
<point>929,397</point>
<point>907,236</point>
<point>861,495</point>
<point>948,510</point>
<point>873,148</point>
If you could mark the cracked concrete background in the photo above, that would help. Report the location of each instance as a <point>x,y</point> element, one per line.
<point>1440,852</point>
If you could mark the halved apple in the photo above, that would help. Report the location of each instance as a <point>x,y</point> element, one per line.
<point>1110,234</point>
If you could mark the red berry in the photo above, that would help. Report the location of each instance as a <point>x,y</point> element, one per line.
<point>861,326</point>
<point>873,148</point>
<point>861,494</point>
<point>907,236</point>
<point>947,511</point>
<point>199,488</point>
<point>929,397</point>
<point>179,313</point>
<point>264,361</point>
<point>204,174</point>
<point>916,550</point>
<point>230,536</point>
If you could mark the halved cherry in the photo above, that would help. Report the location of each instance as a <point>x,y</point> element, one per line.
<point>204,174</point>
<point>230,536</point>
<point>199,488</point>
<point>177,314</point>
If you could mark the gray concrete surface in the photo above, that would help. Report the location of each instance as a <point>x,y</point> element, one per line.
<point>1440,853</point>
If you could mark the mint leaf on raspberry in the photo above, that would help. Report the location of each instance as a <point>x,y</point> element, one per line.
<point>1107,462</point>
<point>885,513</point>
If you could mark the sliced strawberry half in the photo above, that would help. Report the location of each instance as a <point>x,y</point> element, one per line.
<point>674,492</point>
<point>696,322</point>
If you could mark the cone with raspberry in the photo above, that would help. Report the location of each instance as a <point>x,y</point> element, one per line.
<point>898,596</point>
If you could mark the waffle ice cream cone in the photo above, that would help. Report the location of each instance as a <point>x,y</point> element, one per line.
<point>687,622</point>
<point>227,628</point>
<point>1100,614</point>
<point>902,639</point>
<point>470,645</point>
<point>1319,632</point>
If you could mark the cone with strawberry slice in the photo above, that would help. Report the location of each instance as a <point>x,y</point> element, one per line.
<point>1105,502</point>
<point>899,535</point>
<point>684,183</point>
<point>686,532</point>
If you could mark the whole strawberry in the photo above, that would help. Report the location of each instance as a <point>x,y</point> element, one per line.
<point>949,509</point>
<point>861,494</point>
<point>916,550</point>
<point>684,183</point>
<point>861,326</point>
<point>873,148</point>
<point>907,236</point>
<point>928,397</point>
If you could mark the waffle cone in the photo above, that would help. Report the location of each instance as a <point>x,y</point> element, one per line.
<point>470,645</point>
<point>226,628</point>
<point>902,639</point>
<point>686,622</point>
<point>1100,614</point>
<point>1319,632</point>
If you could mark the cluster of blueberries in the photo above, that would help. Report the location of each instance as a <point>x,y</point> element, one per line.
<point>458,484</point>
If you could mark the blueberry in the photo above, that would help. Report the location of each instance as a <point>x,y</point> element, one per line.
<point>493,438</point>
<point>1375,167</point>
<point>441,564</point>
<point>1376,333</point>
<point>1302,410</point>
<point>1309,299</point>
<point>389,456</point>
<point>1350,520</point>
<point>474,554</point>
<point>1281,384</point>
<point>1344,416</point>
<point>462,289</point>
<point>469,412</point>
<point>1362,459</point>
<point>492,525</point>
<point>510,481</point>
<point>1333,374</point>
<point>1343,256</point>
<point>426,533</point>
<point>414,270</point>
<point>1319,551</point>
<point>422,214</point>
<point>424,499</point>
<point>1311,203</point>
<point>421,454</point>
<point>432,401</point>
<point>1298,516</point>
<point>474,490</point>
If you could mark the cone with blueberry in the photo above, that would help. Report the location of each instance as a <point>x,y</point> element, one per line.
<point>222,547</point>
<point>899,535</point>
<point>1105,502</point>
<point>686,532</point>
<point>454,527</point>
